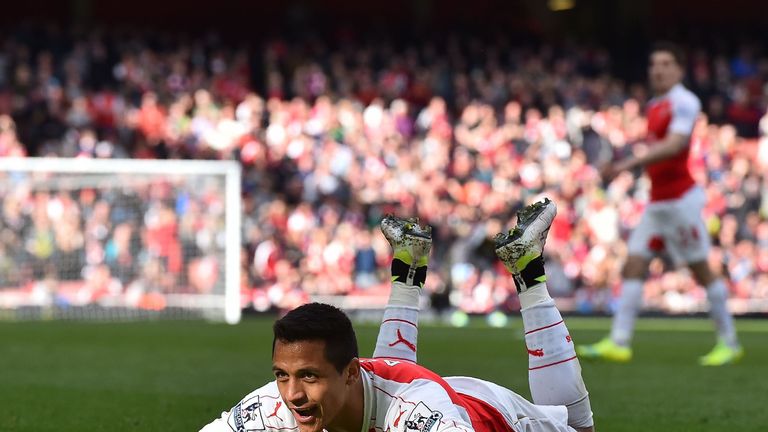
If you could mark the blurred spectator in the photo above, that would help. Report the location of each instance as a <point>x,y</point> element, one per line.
<point>458,135</point>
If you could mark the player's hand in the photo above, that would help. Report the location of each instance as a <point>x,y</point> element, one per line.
<point>608,172</point>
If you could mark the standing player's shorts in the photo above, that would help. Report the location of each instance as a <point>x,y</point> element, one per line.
<point>517,412</point>
<point>674,227</point>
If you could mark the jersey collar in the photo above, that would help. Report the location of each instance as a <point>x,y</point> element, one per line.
<point>662,96</point>
<point>369,399</point>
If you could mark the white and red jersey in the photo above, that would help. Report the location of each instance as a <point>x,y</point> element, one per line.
<point>404,396</point>
<point>674,112</point>
<point>401,396</point>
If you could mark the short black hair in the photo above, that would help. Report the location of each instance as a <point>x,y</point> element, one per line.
<point>666,46</point>
<point>318,321</point>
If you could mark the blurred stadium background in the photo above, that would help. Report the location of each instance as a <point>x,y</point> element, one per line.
<point>337,112</point>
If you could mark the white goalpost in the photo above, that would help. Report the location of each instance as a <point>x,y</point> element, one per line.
<point>115,239</point>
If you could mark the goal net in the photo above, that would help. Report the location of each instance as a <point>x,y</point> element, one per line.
<point>112,239</point>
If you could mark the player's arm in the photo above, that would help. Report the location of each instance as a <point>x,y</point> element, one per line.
<point>671,146</point>
<point>262,410</point>
<point>685,112</point>
<point>399,328</point>
<point>429,408</point>
<point>218,425</point>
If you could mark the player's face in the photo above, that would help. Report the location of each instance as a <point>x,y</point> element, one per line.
<point>311,386</point>
<point>664,71</point>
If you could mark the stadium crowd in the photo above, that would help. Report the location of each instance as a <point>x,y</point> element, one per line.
<point>332,136</point>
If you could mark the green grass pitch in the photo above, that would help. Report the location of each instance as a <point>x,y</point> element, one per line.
<point>177,376</point>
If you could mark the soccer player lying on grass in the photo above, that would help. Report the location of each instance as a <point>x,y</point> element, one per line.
<point>321,383</point>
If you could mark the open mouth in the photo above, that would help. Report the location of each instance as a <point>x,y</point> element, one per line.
<point>305,415</point>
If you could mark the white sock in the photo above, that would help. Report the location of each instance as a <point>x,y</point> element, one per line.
<point>630,302</point>
<point>717,294</point>
<point>399,327</point>
<point>554,372</point>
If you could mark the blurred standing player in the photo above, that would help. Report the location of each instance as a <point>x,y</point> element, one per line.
<point>322,384</point>
<point>672,222</point>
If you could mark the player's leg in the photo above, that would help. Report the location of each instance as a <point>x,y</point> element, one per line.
<point>617,345</point>
<point>554,371</point>
<point>727,350</point>
<point>630,301</point>
<point>645,238</point>
<point>693,246</point>
<point>411,245</point>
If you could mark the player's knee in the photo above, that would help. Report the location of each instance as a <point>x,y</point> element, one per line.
<point>717,293</point>
<point>634,268</point>
<point>632,274</point>
<point>702,273</point>
<point>580,415</point>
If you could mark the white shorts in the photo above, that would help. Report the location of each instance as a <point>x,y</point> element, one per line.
<point>521,414</point>
<point>675,227</point>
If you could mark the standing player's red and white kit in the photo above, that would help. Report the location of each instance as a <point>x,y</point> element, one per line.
<point>672,220</point>
<point>672,223</point>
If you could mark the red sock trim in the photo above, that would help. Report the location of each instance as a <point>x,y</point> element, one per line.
<point>552,364</point>
<point>545,327</point>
